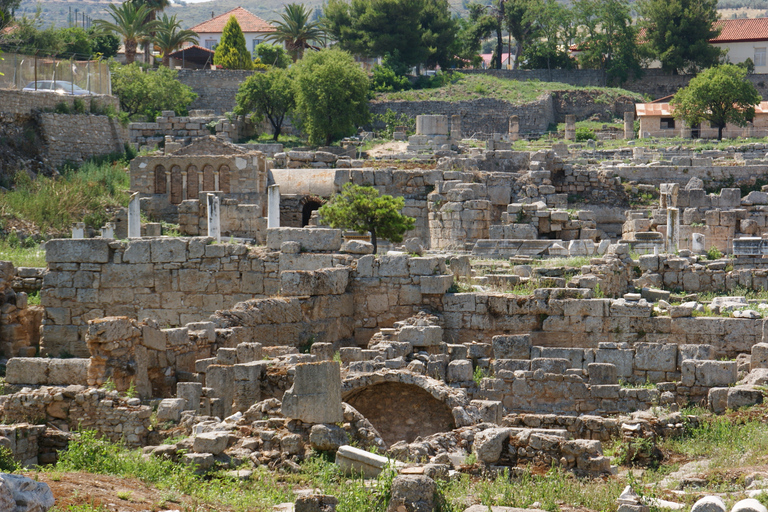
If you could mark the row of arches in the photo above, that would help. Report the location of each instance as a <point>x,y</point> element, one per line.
<point>188,183</point>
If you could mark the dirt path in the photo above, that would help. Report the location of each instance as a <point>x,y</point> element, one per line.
<point>388,148</point>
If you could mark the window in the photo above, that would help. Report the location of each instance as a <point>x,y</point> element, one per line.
<point>256,42</point>
<point>210,44</point>
<point>667,123</point>
<point>759,57</point>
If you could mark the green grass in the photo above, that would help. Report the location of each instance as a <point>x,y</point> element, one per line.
<point>22,256</point>
<point>571,261</point>
<point>470,87</point>
<point>288,141</point>
<point>86,194</point>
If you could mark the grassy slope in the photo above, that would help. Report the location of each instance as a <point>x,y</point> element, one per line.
<point>470,87</point>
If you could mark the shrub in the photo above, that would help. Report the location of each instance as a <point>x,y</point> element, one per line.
<point>583,133</point>
<point>714,253</point>
<point>147,93</point>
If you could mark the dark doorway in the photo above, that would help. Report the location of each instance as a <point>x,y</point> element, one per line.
<point>307,209</point>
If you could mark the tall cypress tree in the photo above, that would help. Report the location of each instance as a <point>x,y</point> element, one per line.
<point>231,52</point>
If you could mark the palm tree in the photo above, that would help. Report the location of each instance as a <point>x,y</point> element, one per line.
<point>154,7</point>
<point>129,22</point>
<point>295,30</point>
<point>168,36</point>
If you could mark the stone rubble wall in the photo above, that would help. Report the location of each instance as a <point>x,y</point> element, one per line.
<point>672,272</point>
<point>78,408</point>
<point>174,281</point>
<point>19,322</point>
<point>215,88</point>
<point>77,137</point>
<point>26,103</point>
<point>23,440</point>
<point>183,129</point>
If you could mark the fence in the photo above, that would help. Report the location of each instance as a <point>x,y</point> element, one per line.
<point>17,71</point>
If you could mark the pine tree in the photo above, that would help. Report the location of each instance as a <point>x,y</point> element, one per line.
<point>231,52</point>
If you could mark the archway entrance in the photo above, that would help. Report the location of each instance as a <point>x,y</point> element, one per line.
<point>401,412</point>
<point>308,205</point>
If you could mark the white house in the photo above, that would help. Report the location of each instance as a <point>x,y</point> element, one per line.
<point>744,39</point>
<point>254,28</point>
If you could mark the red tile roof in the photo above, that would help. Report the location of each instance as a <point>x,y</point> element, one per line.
<point>755,29</point>
<point>248,21</point>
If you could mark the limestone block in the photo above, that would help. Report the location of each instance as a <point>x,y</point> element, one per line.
<point>357,247</point>
<point>655,357</point>
<point>759,356</point>
<point>743,396</point>
<point>394,265</point>
<point>84,250</point>
<point>210,442</point>
<point>421,335</point>
<point>201,461</point>
<point>699,352</point>
<point>716,373</point>
<point>247,352</point>
<point>512,346</point>
<point>27,370</point>
<point>137,251</point>
<point>412,493</point>
<point>491,411</point>
<point>510,365</point>
<point>153,338</point>
<point>226,356</point>
<point>28,495</point>
<point>66,372</point>
<point>622,359</point>
<point>311,239</point>
<point>550,365</point>
<point>315,396</point>
<point>170,409</point>
<point>602,373</point>
<point>327,437</point>
<point>459,371</point>
<point>749,505</point>
<point>709,504</point>
<point>168,250</point>
<point>436,285</point>
<point>315,502</point>
<point>489,443</point>
<point>575,356</point>
<point>717,398</point>
<point>322,351</point>
<point>191,393</point>
<point>355,461</point>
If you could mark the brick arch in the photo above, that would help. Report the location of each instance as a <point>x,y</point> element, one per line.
<point>224,174</point>
<point>209,180</point>
<point>176,185</point>
<point>193,185</point>
<point>402,406</point>
<point>160,187</point>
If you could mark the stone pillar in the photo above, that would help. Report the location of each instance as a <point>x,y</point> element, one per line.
<point>685,130</point>
<point>108,231</point>
<point>629,125</point>
<point>78,231</point>
<point>514,128</point>
<point>698,244</point>
<point>183,185</point>
<point>134,216</point>
<point>214,217</point>
<point>456,127</point>
<point>273,206</point>
<point>315,396</point>
<point>673,230</point>
<point>570,127</point>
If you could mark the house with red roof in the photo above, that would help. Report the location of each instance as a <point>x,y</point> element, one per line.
<point>744,39</point>
<point>254,28</point>
<point>657,119</point>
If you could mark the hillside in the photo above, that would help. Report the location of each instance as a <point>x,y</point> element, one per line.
<point>57,11</point>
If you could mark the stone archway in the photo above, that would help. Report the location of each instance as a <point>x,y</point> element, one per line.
<point>401,405</point>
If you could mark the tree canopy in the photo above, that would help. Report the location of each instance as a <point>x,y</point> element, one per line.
<point>677,33</point>
<point>147,93</point>
<point>267,95</point>
<point>363,209</point>
<point>331,95</point>
<point>295,31</point>
<point>169,36</point>
<point>418,32</point>
<point>231,52</point>
<point>272,55</point>
<point>128,22</point>
<point>719,95</point>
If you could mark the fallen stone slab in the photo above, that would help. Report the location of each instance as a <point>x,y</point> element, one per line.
<point>355,461</point>
<point>709,504</point>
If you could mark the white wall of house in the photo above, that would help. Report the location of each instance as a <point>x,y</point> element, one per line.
<point>755,50</point>
<point>252,39</point>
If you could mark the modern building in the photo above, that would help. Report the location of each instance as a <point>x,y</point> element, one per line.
<point>658,120</point>
<point>254,28</point>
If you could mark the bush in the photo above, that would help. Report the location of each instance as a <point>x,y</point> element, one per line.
<point>714,253</point>
<point>392,119</point>
<point>147,93</point>
<point>583,133</point>
<point>385,79</point>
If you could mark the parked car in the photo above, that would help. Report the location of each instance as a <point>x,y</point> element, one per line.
<point>58,86</point>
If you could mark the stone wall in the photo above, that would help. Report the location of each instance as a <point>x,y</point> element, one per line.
<point>77,137</point>
<point>19,322</point>
<point>23,102</point>
<point>215,88</point>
